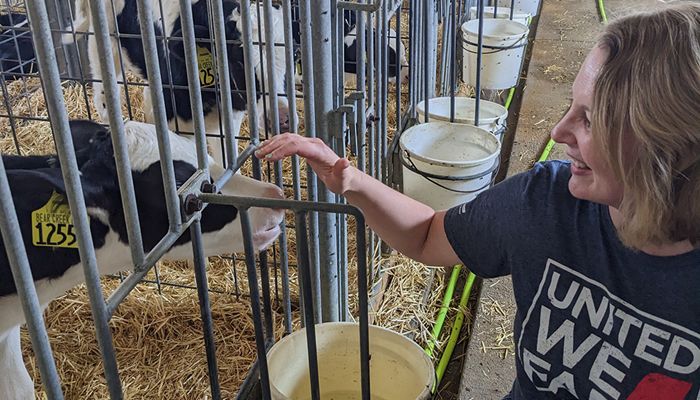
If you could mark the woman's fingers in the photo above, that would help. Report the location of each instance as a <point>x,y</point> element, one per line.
<point>287,144</point>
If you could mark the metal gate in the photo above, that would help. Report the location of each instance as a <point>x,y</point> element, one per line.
<point>355,120</point>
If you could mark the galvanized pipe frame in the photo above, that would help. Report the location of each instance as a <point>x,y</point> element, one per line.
<point>174,233</point>
<point>116,124</point>
<point>224,81</point>
<point>322,95</point>
<point>59,120</point>
<point>10,233</point>
<point>301,208</point>
<point>310,127</point>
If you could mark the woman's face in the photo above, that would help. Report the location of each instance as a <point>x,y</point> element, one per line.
<point>591,179</point>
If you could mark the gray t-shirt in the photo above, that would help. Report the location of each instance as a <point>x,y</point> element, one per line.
<point>595,320</point>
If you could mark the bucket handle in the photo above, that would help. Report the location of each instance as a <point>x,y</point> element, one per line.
<point>496,49</point>
<point>411,166</point>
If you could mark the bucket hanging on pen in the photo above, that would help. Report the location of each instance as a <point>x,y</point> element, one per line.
<point>503,47</point>
<point>446,164</point>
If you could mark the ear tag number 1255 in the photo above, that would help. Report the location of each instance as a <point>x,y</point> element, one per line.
<point>52,224</point>
<point>205,60</point>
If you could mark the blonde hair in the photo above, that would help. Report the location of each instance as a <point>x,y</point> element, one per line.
<point>648,89</point>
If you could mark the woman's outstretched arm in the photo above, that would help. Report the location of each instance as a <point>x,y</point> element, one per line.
<point>408,226</point>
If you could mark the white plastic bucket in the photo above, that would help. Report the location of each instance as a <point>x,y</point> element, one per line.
<point>492,116</point>
<point>446,164</point>
<point>502,52</point>
<point>399,368</point>
<point>502,13</point>
<point>531,7</point>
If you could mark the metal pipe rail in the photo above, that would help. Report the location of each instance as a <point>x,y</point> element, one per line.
<point>48,69</point>
<point>301,210</point>
<point>22,275</point>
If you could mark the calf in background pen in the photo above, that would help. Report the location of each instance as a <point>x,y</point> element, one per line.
<point>172,61</point>
<point>396,58</point>
<point>16,47</point>
<point>33,180</point>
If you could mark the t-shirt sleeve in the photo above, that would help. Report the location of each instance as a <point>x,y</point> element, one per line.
<point>486,232</point>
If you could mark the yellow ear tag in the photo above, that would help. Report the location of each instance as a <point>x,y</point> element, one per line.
<point>52,224</point>
<point>205,61</point>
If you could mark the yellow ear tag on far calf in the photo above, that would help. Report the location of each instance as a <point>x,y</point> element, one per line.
<point>205,61</point>
<point>52,224</point>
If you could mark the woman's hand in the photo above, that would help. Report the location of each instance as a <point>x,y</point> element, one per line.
<point>407,225</point>
<point>335,172</point>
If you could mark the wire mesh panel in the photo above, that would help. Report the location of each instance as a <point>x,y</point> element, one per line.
<point>217,77</point>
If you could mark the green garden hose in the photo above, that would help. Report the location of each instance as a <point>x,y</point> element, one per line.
<point>454,334</point>
<point>440,321</point>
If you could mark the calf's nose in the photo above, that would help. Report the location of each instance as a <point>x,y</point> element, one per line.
<point>273,192</point>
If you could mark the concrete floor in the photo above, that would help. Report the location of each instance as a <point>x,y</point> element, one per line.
<point>566,31</point>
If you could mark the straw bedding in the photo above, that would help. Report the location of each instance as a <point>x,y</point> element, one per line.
<point>157,334</point>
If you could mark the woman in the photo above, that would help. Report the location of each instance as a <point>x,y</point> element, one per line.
<point>603,250</point>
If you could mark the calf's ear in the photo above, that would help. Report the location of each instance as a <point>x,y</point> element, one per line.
<point>85,135</point>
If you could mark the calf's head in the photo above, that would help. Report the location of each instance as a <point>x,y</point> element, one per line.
<point>221,226</point>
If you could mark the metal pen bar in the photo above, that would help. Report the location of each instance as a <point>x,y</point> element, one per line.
<point>200,275</point>
<point>250,79</point>
<point>453,59</point>
<point>267,303</point>
<point>386,39</point>
<point>155,81</point>
<point>337,54</point>
<point>270,66</point>
<point>412,61</point>
<point>224,81</point>
<point>361,68</point>
<point>193,83</point>
<point>371,83</point>
<point>308,67</point>
<point>273,96</point>
<point>363,304</point>
<point>55,27</point>
<point>22,276</point>
<point>10,116</point>
<point>242,202</point>
<point>399,67</point>
<point>382,93</point>
<point>255,302</point>
<point>116,126</point>
<point>263,90</point>
<point>291,92</point>
<point>360,6</point>
<point>48,69</point>
<point>444,52</point>
<point>236,165</point>
<point>426,60</point>
<point>479,60</point>
<point>122,71</point>
<point>140,271</point>
<point>323,90</point>
<point>305,275</point>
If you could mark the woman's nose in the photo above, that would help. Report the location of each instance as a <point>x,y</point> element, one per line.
<point>562,132</point>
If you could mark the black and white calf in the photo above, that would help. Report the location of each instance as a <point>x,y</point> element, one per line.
<point>396,57</point>
<point>177,103</point>
<point>33,180</point>
<point>16,47</point>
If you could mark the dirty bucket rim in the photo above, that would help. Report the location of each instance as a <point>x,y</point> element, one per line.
<point>356,325</point>
<point>517,13</point>
<point>444,163</point>
<point>495,21</point>
<point>470,101</point>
